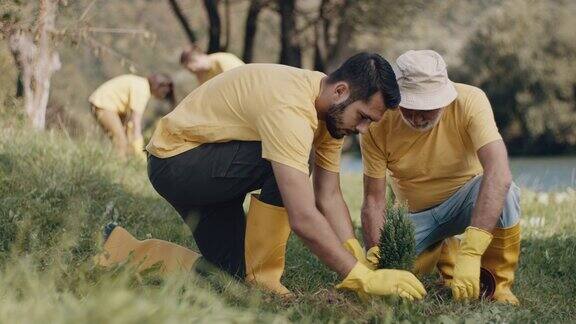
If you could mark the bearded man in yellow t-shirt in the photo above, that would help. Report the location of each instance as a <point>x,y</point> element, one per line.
<point>255,127</point>
<point>206,66</point>
<point>448,163</point>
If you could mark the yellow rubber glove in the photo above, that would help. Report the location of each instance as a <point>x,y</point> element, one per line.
<point>138,148</point>
<point>466,281</point>
<point>353,246</point>
<point>373,257</point>
<point>383,282</point>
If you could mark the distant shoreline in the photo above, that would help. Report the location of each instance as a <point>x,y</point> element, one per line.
<point>547,173</point>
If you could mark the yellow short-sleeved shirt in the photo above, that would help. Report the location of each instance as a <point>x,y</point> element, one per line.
<point>270,103</point>
<point>427,168</point>
<point>221,62</point>
<point>122,94</point>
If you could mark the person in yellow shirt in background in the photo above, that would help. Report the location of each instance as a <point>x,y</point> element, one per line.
<point>206,66</point>
<point>448,163</point>
<point>256,127</point>
<point>119,103</point>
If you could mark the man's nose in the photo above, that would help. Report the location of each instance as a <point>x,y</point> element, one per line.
<point>418,119</point>
<point>363,127</point>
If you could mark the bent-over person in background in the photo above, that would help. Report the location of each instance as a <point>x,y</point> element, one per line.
<point>206,66</point>
<point>119,104</point>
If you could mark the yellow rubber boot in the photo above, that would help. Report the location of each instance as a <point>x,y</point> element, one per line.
<point>427,260</point>
<point>441,256</point>
<point>448,259</point>
<point>267,231</point>
<point>501,259</point>
<point>121,246</point>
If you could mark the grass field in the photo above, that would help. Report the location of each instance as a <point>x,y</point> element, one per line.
<point>56,193</point>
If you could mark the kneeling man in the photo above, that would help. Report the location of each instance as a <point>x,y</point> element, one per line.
<point>254,127</point>
<point>448,163</point>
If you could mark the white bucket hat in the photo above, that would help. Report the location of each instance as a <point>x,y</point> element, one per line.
<point>423,80</point>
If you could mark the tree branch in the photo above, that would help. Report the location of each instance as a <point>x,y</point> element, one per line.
<point>183,20</point>
<point>251,26</point>
<point>290,54</point>
<point>211,7</point>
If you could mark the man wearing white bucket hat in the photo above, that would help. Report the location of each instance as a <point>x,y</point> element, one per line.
<point>448,163</point>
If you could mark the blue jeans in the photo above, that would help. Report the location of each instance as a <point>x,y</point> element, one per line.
<point>453,215</point>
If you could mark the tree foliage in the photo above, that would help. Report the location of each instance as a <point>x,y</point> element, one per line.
<point>397,243</point>
<point>522,53</point>
<point>32,47</point>
<point>524,56</point>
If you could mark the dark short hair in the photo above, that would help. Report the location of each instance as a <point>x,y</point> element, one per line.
<point>158,79</point>
<point>367,73</point>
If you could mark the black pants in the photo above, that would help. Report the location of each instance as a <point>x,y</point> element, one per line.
<point>207,186</point>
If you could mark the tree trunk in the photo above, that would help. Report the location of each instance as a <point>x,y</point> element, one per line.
<point>37,62</point>
<point>333,33</point>
<point>319,55</point>
<point>227,30</point>
<point>19,86</point>
<point>211,7</point>
<point>251,28</point>
<point>290,53</point>
<point>320,37</point>
<point>343,40</point>
<point>183,20</point>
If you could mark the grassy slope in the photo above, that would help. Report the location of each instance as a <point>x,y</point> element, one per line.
<point>56,193</point>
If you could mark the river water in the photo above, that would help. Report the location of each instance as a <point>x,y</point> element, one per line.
<point>536,173</point>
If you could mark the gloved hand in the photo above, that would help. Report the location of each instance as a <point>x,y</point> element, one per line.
<point>138,148</point>
<point>353,246</point>
<point>466,281</point>
<point>373,257</point>
<point>383,282</point>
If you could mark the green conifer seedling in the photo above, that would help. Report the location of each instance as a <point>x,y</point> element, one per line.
<point>397,243</point>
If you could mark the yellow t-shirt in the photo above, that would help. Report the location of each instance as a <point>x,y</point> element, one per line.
<point>270,103</point>
<point>221,62</point>
<point>427,168</point>
<point>122,94</point>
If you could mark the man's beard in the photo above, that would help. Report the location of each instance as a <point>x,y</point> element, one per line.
<point>334,119</point>
<point>422,128</point>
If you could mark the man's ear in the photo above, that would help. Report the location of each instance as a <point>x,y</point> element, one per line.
<point>341,90</point>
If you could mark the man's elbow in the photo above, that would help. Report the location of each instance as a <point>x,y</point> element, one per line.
<point>301,222</point>
<point>320,202</point>
<point>300,228</point>
<point>504,178</point>
<point>499,173</point>
<point>507,180</point>
<point>325,200</point>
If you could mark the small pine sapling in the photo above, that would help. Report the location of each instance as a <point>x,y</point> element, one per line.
<point>397,243</point>
<point>398,251</point>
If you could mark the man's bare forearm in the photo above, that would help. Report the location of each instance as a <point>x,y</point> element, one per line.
<point>137,125</point>
<point>307,221</point>
<point>373,216</point>
<point>373,213</point>
<point>317,234</point>
<point>494,187</point>
<point>334,209</point>
<point>490,202</point>
<point>331,204</point>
